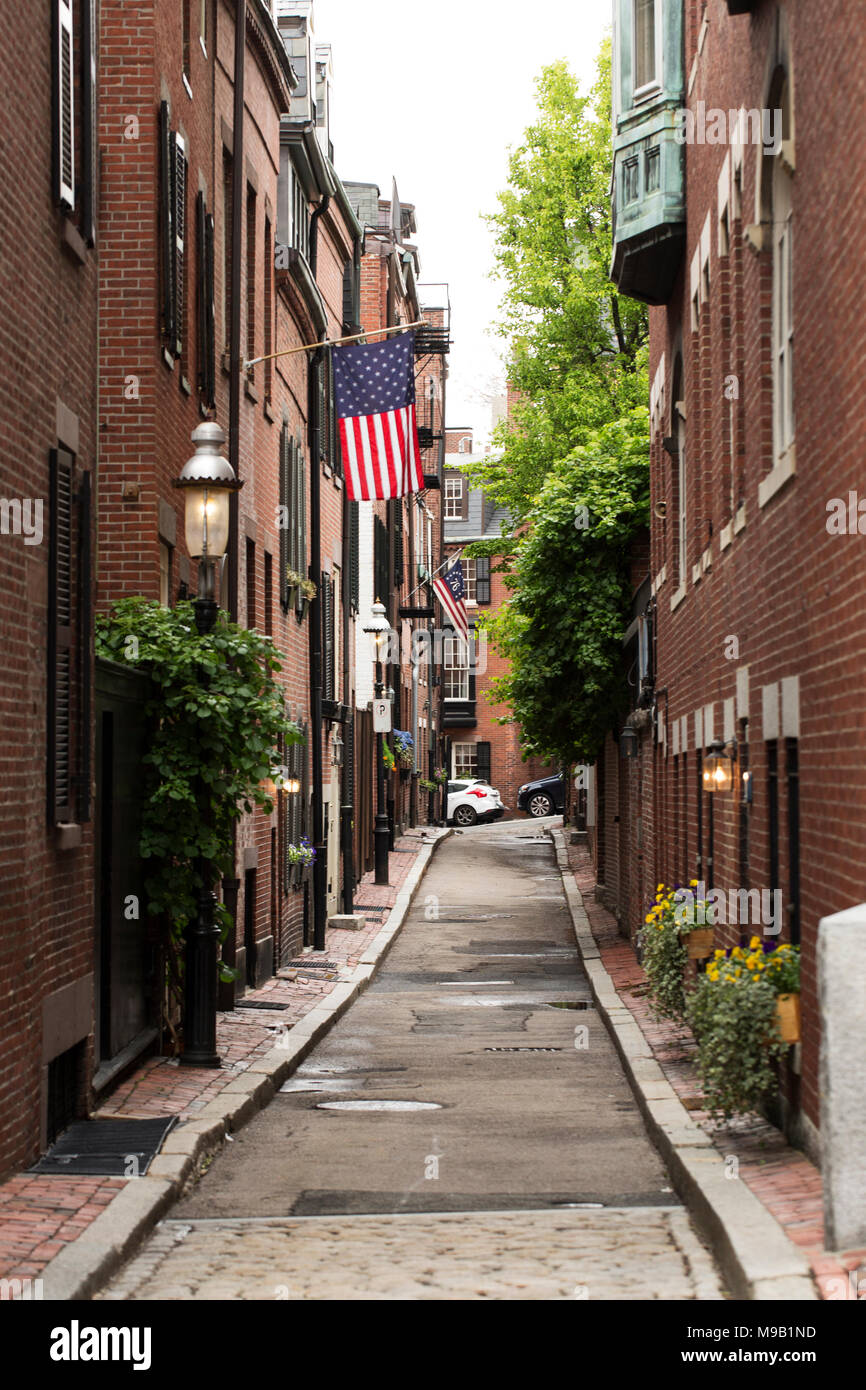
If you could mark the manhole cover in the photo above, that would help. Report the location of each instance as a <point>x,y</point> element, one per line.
<point>524,1049</point>
<point>389,1105</point>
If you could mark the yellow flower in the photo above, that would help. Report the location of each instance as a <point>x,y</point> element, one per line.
<point>755,943</point>
<point>693,883</point>
<point>720,955</point>
<point>660,887</point>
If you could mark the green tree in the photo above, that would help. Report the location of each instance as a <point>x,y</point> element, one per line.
<point>572,464</point>
<point>577,349</point>
<point>562,628</point>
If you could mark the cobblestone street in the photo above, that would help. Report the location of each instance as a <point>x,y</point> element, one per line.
<point>509,1160</point>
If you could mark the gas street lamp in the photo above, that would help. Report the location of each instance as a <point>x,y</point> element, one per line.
<point>208,480</point>
<point>379,629</point>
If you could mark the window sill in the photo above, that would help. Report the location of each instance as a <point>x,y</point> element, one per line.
<point>677,598</point>
<point>186,83</point>
<point>250,391</point>
<point>726,535</point>
<point>168,359</point>
<point>739,519</point>
<point>269,412</point>
<point>185,386</point>
<point>74,241</point>
<point>785,469</point>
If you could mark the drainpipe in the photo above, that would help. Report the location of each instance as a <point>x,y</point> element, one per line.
<point>226,992</point>
<point>320,867</point>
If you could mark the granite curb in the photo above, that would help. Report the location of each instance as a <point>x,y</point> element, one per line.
<point>81,1269</point>
<point>754,1253</point>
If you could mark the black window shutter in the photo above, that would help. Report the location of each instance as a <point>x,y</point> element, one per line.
<point>336,457</point>
<point>464,499</point>
<point>89,140</point>
<point>300,495</point>
<point>397,524</point>
<point>85,624</point>
<point>210,342</point>
<point>63,104</point>
<point>201,290</point>
<point>324,430</point>
<point>354,556</point>
<point>60,640</point>
<point>483,754</point>
<point>328,654</point>
<point>348,296</point>
<point>285,517</point>
<point>179,169</point>
<point>380,556</point>
<point>482,580</point>
<point>166,224</point>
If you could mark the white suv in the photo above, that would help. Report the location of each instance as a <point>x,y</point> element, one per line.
<point>470,801</point>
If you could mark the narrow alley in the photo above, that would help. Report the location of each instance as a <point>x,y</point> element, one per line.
<point>465,1131</point>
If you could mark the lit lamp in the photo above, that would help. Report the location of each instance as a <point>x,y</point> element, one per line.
<point>718,766</point>
<point>379,629</point>
<point>628,742</point>
<point>208,480</point>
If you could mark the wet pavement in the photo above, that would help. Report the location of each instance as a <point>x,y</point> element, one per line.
<point>465,1131</point>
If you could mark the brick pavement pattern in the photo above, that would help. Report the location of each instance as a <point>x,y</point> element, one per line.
<point>41,1213</point>
<point>639,1253</point>
<point>781,1177</point>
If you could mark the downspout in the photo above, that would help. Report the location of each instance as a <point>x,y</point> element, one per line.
<point>347,780</point>
<point>226,995</point>
<point>320,867</point>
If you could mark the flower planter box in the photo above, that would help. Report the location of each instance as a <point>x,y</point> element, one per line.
<point>788,1010</point>
<point>699,943</point>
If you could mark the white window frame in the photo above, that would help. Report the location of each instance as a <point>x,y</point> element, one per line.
<point>649,88</point>
<point>450,497</point>
<point>455,669</point>
<point>783,316</point>
<point>468,751</point>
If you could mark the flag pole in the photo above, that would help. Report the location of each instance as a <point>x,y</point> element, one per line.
<point>335,342</point>
<point>450,560</point>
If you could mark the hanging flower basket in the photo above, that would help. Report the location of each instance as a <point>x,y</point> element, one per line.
<point>699,943</point>
<point>788,1010</point>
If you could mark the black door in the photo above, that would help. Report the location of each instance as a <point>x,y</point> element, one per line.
<point>124,964</point>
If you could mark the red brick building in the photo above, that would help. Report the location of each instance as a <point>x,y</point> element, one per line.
<point>735,219</point>
<point>400,541</point>
<point>480,746</point>
<point>48,478</point>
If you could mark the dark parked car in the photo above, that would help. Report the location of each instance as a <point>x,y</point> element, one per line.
<point>542,798</point>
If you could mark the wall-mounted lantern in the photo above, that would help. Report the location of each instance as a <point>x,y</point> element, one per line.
<point>718,766</point>
<point>628,742</point>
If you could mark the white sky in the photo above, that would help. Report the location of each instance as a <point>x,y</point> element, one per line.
<point>434,92</point>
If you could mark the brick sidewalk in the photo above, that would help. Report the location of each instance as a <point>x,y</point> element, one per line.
<point>40,1214</point>
<point>782,1178</point>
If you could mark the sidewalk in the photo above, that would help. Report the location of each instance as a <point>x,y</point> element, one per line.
<point>784,1180</point>
<point>42,1216</point>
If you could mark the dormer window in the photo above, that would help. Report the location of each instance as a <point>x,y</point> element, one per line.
<point>647,32</point>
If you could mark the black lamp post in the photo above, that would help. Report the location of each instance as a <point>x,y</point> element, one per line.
<point>380,630</point>
<point>208,481</point>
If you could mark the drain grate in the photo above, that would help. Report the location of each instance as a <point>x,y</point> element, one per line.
<point>568,1004</point>
<point>524,1049</point>
<point>305,964</point>
<point>260,1004</point>
<point>106,1148</point>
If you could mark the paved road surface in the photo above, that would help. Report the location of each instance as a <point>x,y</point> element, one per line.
<point>465,1131</point>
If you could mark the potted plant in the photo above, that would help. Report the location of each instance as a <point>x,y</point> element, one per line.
<point>663,955</point>
<point>388,757</point>
<point>404,747</point>
<point>735,1017</point>
<point>782,969</point>
<point>440,776</point>
<point>695,922</point>
<point>303,854</point>
<point>427,786</point>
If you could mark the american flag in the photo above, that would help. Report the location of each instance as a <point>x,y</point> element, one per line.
<point>374,385</point>
<point>450,590</point>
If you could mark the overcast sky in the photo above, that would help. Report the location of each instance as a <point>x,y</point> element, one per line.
<point>433,93</point>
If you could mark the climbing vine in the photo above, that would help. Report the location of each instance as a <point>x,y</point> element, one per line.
<point>215,713</point>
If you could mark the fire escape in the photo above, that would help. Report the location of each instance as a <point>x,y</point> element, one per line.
<point>432,345</point>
